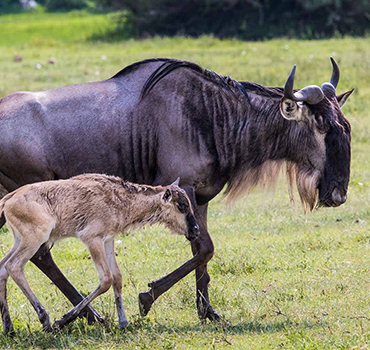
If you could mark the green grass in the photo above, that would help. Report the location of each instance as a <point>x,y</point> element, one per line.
<point>283,280</point>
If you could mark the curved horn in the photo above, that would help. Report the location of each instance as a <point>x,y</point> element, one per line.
<point>335,73</point>
<point>328,88</point>
<point>311,94</point>
<point>288,88</point>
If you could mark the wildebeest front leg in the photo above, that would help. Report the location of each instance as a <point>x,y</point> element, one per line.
<point>202,249</point>
<point>44,261</point>
<point>158,287</point>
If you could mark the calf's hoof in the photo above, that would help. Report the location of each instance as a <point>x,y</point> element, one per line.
<point>145,303</point>
<point>123,324</point>
<point>8,326</point>
<point>9,330</point>
<point>45,320</point>
<point>57,326</point>
<point>47,328</point>
<point>60,324</point>
<point>213,315</point>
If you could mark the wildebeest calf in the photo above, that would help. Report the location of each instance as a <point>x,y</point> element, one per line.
<point>94,208</point>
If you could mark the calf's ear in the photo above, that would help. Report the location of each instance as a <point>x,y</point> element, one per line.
<point>176,183</point>
<point>167,196</point>
<point>342,98</point>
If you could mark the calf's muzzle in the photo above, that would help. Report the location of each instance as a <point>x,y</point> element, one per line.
<point>193,228</point>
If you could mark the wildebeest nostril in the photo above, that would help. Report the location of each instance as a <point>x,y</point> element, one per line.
<point>337,197</point>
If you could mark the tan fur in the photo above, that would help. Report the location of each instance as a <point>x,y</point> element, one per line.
<point>306,186</point>
<point>94,208</point>
<point>88,203</point>
<point>265,176</point>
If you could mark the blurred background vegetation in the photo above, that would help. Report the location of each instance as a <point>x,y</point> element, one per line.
<point>242,19</point>
<point>283,280</point>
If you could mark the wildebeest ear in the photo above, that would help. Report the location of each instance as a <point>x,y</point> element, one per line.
<point>342,99</point>
<point>290,109</point>
<point>176,183</point>
<point>167,196</point>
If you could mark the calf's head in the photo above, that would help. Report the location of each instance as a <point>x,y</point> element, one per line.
<point>320,141</point>
<point>177,212</point>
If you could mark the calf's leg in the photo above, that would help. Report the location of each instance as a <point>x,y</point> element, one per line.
<point>15,267</point>
<point>97,251</point>
<point>44,261</point>
<point>4,309</point>
<point>117,283</point>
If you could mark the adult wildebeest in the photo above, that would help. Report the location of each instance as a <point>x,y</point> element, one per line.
<point>93,208</point>
<point>162,118</point>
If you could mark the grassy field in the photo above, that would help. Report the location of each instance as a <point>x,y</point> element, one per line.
<point>281,279</point>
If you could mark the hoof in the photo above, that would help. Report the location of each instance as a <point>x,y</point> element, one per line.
<point>8,326</point>
<point>57,326</point>
<point>90,318</point>
<point>123,324</point>
<point>207,311</point>
<point>93,317</point>
<point>213,315</point>
<point>9,331</point>
<point>145,303</point>
<point>47,328</point>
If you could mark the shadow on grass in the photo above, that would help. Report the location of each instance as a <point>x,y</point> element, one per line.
<point>80,334</point>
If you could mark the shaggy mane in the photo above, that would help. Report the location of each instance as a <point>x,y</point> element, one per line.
<point>267,175</point>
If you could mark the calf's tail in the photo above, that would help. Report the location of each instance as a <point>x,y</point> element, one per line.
<point>2,204</point>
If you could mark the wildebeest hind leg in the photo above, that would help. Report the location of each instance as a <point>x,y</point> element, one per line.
<point>44,261</point>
